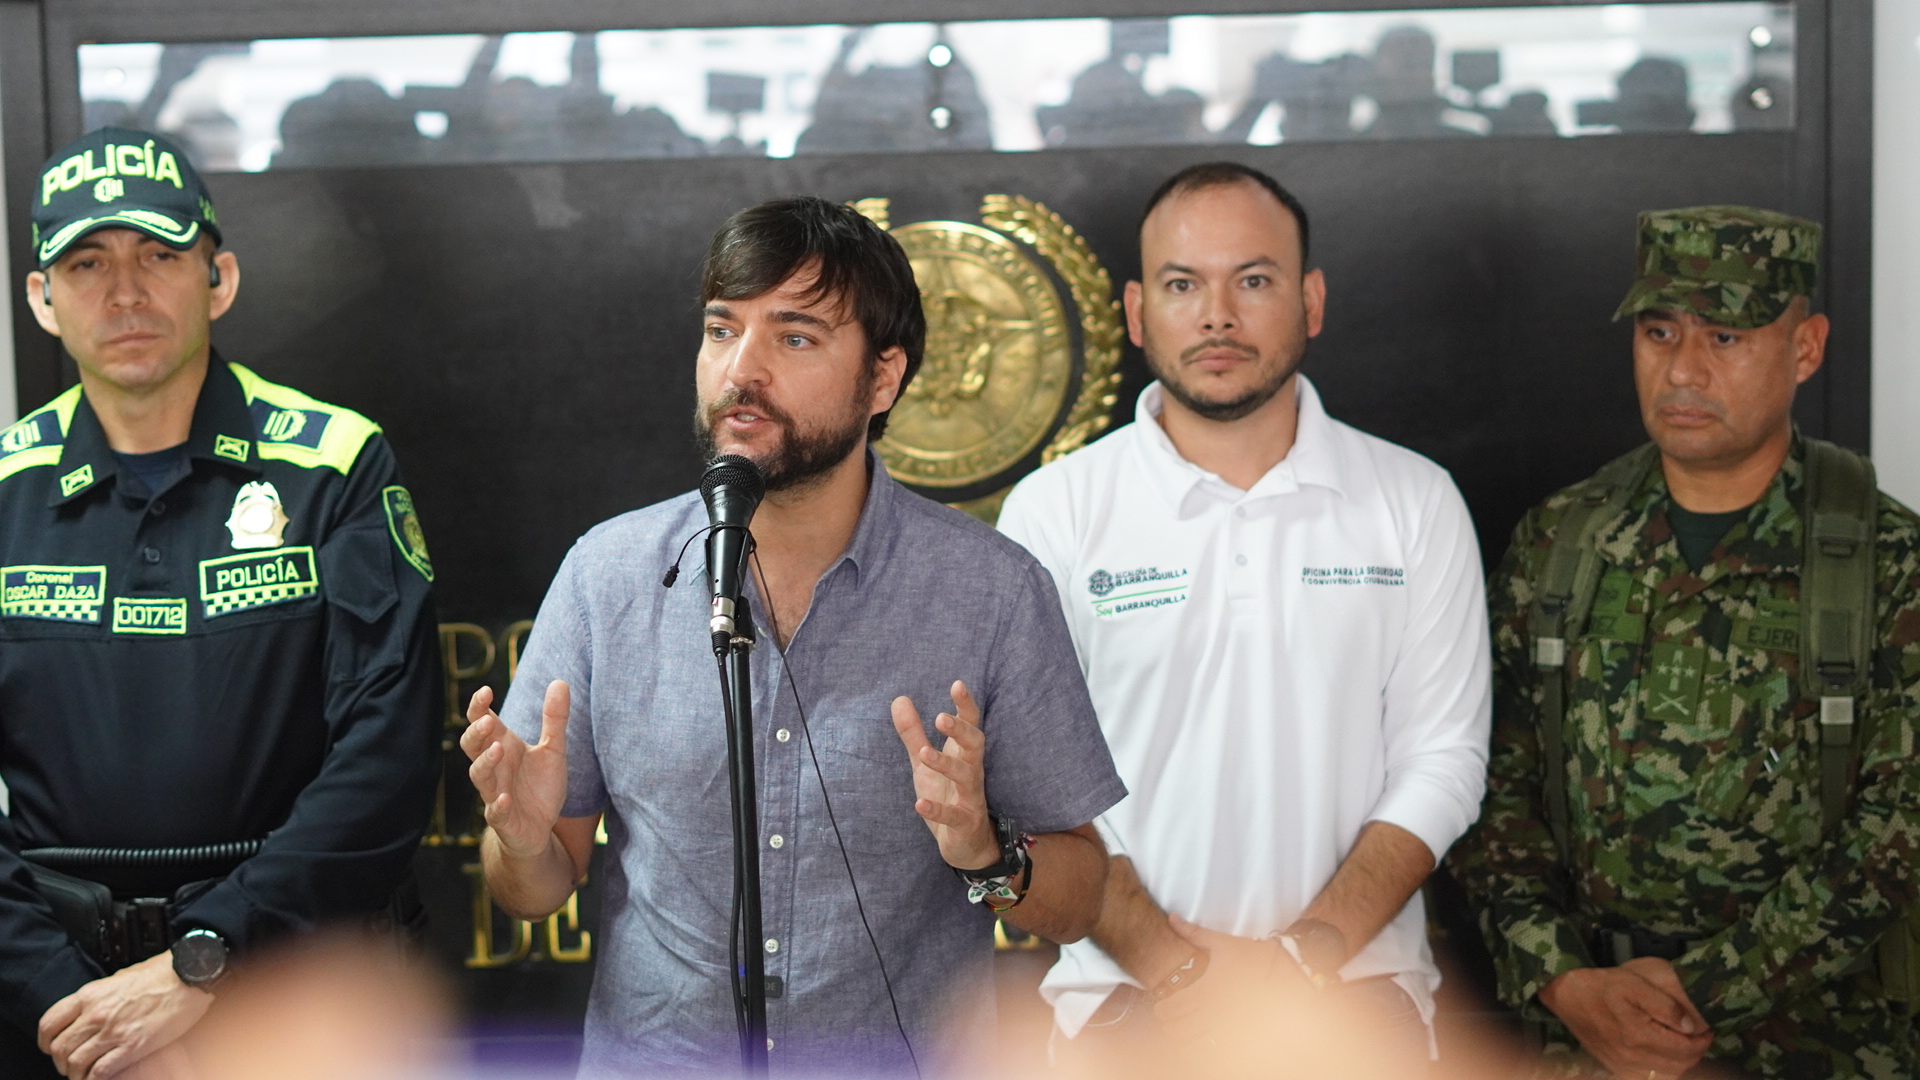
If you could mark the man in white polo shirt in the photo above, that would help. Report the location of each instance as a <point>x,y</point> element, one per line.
<point>1282,624</point>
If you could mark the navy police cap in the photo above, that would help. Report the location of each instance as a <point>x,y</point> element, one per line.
<point>119,178</point>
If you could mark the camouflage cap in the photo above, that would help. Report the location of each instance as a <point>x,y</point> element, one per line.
<point>1732,265</point>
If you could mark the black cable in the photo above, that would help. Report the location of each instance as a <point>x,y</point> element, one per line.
<point>807,734</point>
<point>673,572</point>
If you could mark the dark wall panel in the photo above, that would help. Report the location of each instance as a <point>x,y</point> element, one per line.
<point>526,333</point>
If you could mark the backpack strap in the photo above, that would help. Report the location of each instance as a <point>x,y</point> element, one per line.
<point>1559,611</point>
<point>1837,571</point>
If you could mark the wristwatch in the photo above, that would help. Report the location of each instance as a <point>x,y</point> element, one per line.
<point>993,885</point>
<point>200,958</point>
<point>1318,947</point>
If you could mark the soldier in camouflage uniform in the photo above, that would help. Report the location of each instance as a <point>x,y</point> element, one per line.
<point>1692,761</point>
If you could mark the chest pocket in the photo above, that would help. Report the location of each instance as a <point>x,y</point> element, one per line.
<point>1610,619</point>
<point>1608,664</point>
<point>357,577</point>
<point>871,784</point>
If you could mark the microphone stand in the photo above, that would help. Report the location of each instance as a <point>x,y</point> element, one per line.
<point>733,643</point>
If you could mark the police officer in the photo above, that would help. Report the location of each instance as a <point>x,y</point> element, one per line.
<point>1703,804</point>
<point>218,683</point>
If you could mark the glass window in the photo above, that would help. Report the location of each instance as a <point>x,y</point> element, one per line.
<point>1008,85</point>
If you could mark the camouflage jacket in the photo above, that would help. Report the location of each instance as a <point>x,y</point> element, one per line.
<point>1693,768</point>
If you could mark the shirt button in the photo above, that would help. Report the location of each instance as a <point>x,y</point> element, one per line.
<point>150,554</point>
<point>1241,512</point>
<point>157,507</point>
<point>776,841</point>
<point>773,946</point>
<point>783,734</point>
<point>1241,559</point>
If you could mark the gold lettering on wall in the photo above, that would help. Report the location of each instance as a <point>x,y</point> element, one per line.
<point>439,832</point>
<point>578,953</point>
<point>469,653</point>
<point>486,951</point>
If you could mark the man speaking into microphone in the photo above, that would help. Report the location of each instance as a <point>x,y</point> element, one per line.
<point>874,610</point>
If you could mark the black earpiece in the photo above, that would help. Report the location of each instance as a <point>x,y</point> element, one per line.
<point>46,290</point>
<point>213,275</point>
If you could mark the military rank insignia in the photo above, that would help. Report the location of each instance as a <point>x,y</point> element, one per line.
<point>404,524</point>
<point>258,520</point>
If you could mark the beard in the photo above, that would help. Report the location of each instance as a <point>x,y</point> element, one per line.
<point>803,455</point>
<point>1278,369</point>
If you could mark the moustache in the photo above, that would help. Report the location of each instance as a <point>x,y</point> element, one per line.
<point>737,398</point>
<point>133,323</point>
<point>1689,399</point>
<point>1240,347</point>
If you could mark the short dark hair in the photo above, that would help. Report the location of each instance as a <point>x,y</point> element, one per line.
<point>854,261</point>
<point>1209,174</point>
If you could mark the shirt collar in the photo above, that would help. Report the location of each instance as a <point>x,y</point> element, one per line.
<point>222,431</point>
<point>872,535</point>
<point>1313,460</point>
<point>1766,542</point>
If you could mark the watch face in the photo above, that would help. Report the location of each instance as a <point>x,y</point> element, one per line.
<point>1322,946</point>
<point>199,957</point>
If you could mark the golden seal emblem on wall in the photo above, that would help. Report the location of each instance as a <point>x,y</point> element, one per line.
<point>1012,366</point>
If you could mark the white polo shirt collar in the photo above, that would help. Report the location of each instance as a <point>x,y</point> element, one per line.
<point>1314,459</point>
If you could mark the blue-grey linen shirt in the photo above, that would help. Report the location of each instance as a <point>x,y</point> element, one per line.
<point>923,595</point>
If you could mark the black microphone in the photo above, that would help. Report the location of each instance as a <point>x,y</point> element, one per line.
<point>732,488</point>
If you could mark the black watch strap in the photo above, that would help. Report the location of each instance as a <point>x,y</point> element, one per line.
<point>1013,853</point>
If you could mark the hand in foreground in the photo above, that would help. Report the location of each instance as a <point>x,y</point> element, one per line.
<point>523,787</point>
<point>1238,970</point>
<point>170,1062</point>
<point>1635,1018</point>
<point>950,784</point>
<point>111,1024</point>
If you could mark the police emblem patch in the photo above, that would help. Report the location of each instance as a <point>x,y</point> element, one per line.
<point>60,593</point>
<point>149,615</point>
<point>258,520</point>
<point>238,582</point>
<point>408,536</point>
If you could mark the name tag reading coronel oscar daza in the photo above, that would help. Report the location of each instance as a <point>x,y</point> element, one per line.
<point>60,593</point>
<point>258,579</point>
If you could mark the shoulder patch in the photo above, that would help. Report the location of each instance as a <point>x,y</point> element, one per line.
<point>38,437</point>
<point>404,524</point>
<point>290,426</point>
<point>40,429</point>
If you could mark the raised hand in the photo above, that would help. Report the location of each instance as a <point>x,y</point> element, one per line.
<point>523,787</point>
<point>950,784</point>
